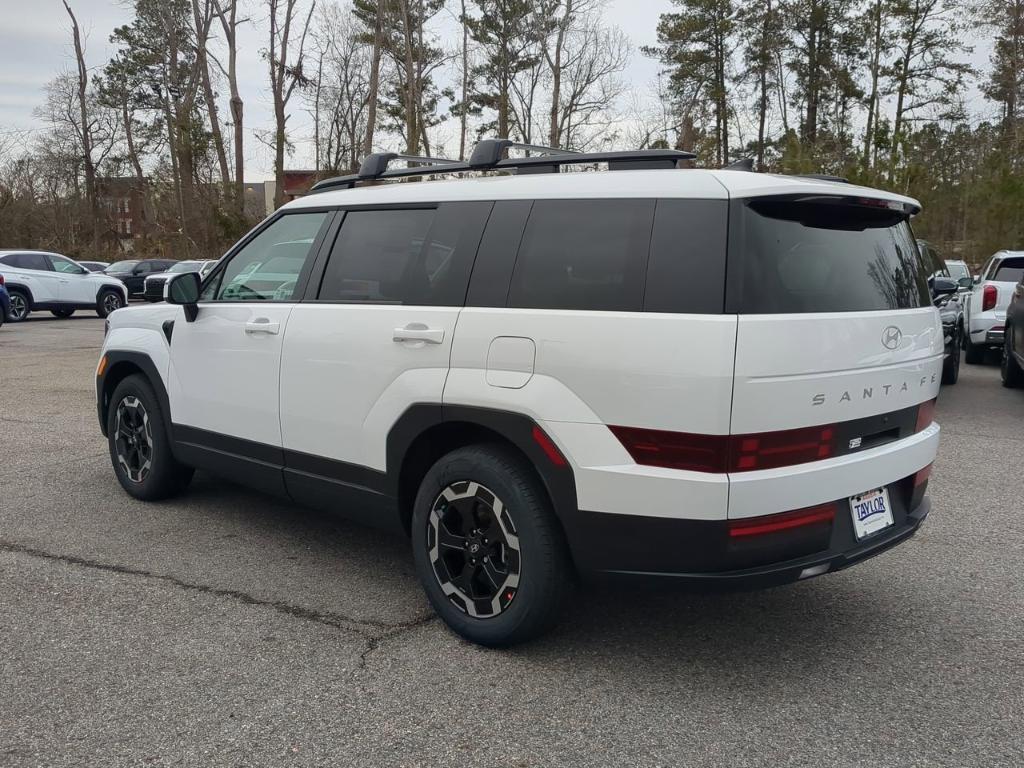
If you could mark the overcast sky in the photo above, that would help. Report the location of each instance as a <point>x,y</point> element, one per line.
<point>35,45</point>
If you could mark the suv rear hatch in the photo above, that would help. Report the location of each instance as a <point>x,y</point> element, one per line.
<point>838,343</point>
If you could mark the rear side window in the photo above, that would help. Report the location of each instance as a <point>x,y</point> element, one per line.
<point>28,261</point>
<point>1009,270</point>
<point>686,271</point>
<point>420,256</point>
<point>794,256</point>
<point>583,255</point>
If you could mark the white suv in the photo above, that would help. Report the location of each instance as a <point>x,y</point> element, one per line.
<point>986,305</point>
<point>693,375</point>
<point>39,280</point>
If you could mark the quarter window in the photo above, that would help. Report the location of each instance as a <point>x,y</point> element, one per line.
<point>583,255</point>
<point>267,268</point>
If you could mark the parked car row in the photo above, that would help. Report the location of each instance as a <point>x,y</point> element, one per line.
<point>41,280</point>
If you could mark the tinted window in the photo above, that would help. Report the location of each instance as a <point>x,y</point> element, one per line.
<point>267,268</point>
<point>1009,271</point>
<point>798,256</point>
<point>29,261</point>
<point>686,271</point>
<point>405,256</point>
<point>583,254</point>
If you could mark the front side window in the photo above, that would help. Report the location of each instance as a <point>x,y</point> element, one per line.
<point>583,255</point>
<point>419,256</point>
<point>825,256</point>
<point>66,266</point>
<point>267,268</point>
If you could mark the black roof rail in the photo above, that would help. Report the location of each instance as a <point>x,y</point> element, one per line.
<point>822,177</point>
<point>488,155</point>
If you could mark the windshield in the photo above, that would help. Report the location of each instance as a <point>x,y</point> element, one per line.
<point>957,269</point>
<point>827,256</point>
<point>122,266</point>
<point>186,266</point>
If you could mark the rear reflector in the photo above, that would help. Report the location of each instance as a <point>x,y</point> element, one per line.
<point>759,526</point>
<point>922,476</point>
<point>726,453</point>
<point>988,297</point>
<point>925,415</point>
<point>548,446</point>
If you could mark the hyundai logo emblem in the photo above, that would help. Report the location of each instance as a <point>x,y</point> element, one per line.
<point>891,337</point>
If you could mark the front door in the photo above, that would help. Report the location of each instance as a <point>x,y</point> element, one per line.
<point>374,338</point>
<point>75,285</point>
<point>225,366</point>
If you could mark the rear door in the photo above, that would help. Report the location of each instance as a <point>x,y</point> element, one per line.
<point>373,338</point>
<point>38,276</point>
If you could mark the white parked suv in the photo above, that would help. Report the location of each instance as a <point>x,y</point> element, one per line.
<point>39,280</point>
<point>985,313</point>
<point>696,376</point>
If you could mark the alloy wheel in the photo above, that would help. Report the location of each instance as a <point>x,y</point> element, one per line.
<point>133,439</point>
<point>474,549</point>
<point>111,301</point>
<point>19,307</point>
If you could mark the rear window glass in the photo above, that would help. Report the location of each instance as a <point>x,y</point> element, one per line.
<point>1009,271</point>
<point>799,256</point>
<point>958,270</point>
<point>583,255</point>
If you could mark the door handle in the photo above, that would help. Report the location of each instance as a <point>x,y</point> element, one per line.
<point>419,332</point>
<point>262,325</point>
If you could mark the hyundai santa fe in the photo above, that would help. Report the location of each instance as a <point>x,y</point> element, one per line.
<point>694,376</point>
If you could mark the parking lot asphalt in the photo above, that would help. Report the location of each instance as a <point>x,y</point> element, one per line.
<point>228,628</point>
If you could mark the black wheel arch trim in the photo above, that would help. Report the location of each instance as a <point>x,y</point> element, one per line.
<point>116,361</point>
<point>14,286</point>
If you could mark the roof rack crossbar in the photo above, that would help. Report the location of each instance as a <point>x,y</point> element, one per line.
<point>375,165</point>
<point>489,152</point>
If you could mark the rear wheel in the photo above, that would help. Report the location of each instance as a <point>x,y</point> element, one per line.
<point>488,549</point>
<point>1011,372</point>
<point>62,312</point>
<point>108,301</point>
<point>20,305</point>
<point>140,448</point>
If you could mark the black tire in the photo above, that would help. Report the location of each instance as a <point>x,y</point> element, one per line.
<point>21,305</point>
<point>974,354</point>
<point>108,301</point>
<point>140,449</point>
<point>526,541</point>
<point>62,312</point>
<point>1010,370</point>
<point>951,368</point>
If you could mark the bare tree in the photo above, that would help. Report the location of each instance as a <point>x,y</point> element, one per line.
<point>229,22</point>
<point>285,75</point>
<point>85,134</point>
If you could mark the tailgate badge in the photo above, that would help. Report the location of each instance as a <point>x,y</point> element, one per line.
<point>855,443</point>
<point>891,337</point>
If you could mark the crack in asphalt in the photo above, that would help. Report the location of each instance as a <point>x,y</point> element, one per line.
<point>373,632</point>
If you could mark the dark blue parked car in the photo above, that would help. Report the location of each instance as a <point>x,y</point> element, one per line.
<point>5,301</point>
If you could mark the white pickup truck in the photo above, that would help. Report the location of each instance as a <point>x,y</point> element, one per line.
<point>986,305</point>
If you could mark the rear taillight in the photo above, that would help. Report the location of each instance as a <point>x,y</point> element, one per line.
<point>759,526</point>
<point>726,453</point>
<point>1,279</point>
<point>925,415</point>
<point>988,298</point>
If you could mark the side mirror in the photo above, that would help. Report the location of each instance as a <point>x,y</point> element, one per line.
<point>183,289</point>
<point>943,286</point>
<point>965,282</point>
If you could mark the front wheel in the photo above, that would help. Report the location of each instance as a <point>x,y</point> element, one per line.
<point>108,301</point>
<point>63,312</point>
<point>140,448</point>
<point>1010,372</point>
<point>488,549</point>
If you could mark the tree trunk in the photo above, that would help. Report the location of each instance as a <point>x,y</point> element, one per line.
<point>876,55</point>
<point>230,26</point>
<point>411,101</point>
<point>86,132</point>
<point>374,84</point>
<point>465,84</point>
<point>555,128</point>
<point>763,64</point>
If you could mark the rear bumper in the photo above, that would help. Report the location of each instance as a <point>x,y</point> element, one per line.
<point>701,553</point>
<point>987,328</point>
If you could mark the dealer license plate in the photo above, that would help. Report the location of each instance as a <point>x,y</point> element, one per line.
<point>871,512</point>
